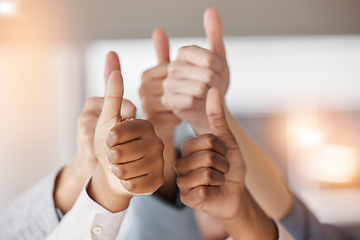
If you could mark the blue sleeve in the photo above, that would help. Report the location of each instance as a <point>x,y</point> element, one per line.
<point>32,215</point>
<point>303,225</point>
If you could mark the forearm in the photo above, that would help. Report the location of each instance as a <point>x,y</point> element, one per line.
<point>263,179</point>
<point>68,185</point>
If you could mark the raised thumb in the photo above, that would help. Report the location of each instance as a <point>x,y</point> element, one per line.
<point>217,119</point>
<point>213,31</point>
<point>161,44</point>
<point>113,99</point>
<point>112,63</point>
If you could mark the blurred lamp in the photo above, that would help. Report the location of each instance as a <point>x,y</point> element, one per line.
<point>8,8</point>
<point>330,163</point>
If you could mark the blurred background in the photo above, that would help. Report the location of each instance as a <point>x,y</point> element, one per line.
<point>295,83</point>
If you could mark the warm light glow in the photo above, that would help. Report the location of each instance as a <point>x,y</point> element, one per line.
<point>311,137</point>
<point>303,129</point>
<point>330,163</point>
<point>312,159</point>
<point>8,8</point>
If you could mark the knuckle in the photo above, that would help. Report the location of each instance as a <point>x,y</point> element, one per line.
<point>210,140</point>
<point>130,186</point>
<point>142,90</point>
<point>210,75</point>
<point>183,49</point>
<point>227,166</point>
<point>210,159</point>
<point>202,193</point>
<point>180,183</point>
<point>186,146</point>
<point>172,67</point>
<point>199,89</point>
<point>146,75</point>
<point>166,84</point>
<point>89,102</point>
<point>208,176</point>
<point>112,137</point>
<point>190,102</point>
<point>92,103</point>
<point>122,172</point>
<point>115,155</point>
<point>85,118</point>
<point>148,126</point>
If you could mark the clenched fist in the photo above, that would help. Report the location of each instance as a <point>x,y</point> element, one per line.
<point>129,152</point>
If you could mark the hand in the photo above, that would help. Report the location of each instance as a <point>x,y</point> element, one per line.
<point>72,178</point>
<point>129,152</point>
<point>194,72</point>
<point>211,178</point>
<point>211,173</point>
<point>151,89</point>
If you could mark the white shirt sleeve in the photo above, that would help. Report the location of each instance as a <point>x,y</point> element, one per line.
<point>88,220</point>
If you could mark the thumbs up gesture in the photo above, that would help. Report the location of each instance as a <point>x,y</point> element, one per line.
<point>151,88</point>
<point>211,178</point>
<point>194,72</point>
<point>211,173</point>
<point>129,152</point>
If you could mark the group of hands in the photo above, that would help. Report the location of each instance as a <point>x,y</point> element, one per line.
<point>124,155</point>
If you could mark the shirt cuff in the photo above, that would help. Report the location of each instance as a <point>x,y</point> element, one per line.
<point>88,220</point>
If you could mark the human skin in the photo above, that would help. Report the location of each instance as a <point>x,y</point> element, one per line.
<point>163,119</point>
<point>211,178</point>
<point>190,76</point>
<point>72,177</point>
<point>129,153</point>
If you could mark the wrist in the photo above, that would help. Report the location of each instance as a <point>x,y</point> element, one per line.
<point>68,185</point>
<point>165,132</point>
<point>250,222</point>
<point>101,192</point>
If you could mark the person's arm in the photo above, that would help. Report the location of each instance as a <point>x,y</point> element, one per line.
<point>88,220</point>
<point>301,223</point>
<point>189,78</point>
<point>71,179</point>
<point>32,214</point>
<point>211,178</point>
<point>164,120</point>
<point>263,179</point>
<point>37,212</point>
<point>130,162</point>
